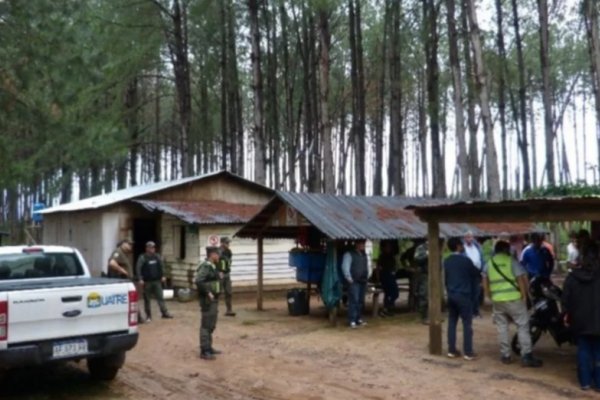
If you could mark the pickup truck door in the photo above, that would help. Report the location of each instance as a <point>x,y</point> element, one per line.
<point>63,312</point>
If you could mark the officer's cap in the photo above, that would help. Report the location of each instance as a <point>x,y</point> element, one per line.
<point>225,240</point>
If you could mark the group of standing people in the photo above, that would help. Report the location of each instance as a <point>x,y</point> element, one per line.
<point>505,283</point>
<point>148,275</point>
<point>213,277</point>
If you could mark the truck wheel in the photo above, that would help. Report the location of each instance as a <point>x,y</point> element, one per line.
<point>106,368</point>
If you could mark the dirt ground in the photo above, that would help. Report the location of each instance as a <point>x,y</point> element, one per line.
<point>271,355</point>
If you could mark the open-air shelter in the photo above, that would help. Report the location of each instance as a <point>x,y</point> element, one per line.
<point>346,218</point>
<point>436,216</point>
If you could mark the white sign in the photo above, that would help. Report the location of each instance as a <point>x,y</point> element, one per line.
<point>213,240</point>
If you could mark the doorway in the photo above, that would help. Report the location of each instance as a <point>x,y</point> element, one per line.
<point>144,230</point>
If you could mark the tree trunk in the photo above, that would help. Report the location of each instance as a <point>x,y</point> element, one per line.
<point>524,147</point>
<point>422,116</point>
<point>593,39</point>
<point>176,33</point>
<point>493,178</point>
<point>396,173</point>
<point>358,95</point>
<point>257,88</point>
<point>473,159</point>
<point>546,88</point>
<point>325,43</point>
<point>501,96</point>
<point>430,15</point>
<point>226,107</point>
<point>463,159</point>
<point>131,122</point>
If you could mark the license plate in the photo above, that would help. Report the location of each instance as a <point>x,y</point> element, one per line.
<point>69,349</point>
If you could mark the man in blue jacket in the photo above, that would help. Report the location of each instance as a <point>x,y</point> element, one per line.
<point>461,278</point>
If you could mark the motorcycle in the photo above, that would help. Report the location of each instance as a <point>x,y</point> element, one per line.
<point>546,315</point>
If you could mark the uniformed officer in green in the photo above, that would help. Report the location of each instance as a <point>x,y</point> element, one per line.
<point>118,263</point>
<point>149,270</point>
<point>505,283</point>
<point>225,268</point>
<point>120,267</point>
<point>208,282</point>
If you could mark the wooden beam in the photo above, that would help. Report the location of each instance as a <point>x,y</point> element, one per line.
<point>259,278</point>
<point>547,213</point>
<point>435,289</point>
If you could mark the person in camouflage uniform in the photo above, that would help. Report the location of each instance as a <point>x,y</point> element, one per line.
<point>208,283</point>
<point>224,267</point>
<point>421,260</point>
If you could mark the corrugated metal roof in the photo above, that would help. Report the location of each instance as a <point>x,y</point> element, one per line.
<point>204,212</point>
<point>133,192</point>
<point>368,217</point>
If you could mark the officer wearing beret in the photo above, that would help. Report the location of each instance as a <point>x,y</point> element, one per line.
<point>208,283</point>
<point>225,268</point>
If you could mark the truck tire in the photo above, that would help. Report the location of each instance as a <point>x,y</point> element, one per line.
<point>105,368</point>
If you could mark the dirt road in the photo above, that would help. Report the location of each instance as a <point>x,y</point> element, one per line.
<point>271,355</point>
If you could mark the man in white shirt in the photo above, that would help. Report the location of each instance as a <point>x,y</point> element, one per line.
<point>474,253</point>
<point>572,251</point>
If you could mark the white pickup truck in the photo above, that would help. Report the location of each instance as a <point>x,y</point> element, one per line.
<point>52,310</point>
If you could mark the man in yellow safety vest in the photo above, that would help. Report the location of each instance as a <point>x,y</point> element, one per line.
<point>505,283</point>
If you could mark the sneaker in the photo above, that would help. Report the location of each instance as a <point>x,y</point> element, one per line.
<point>215,351</point>
<point>230,314</point>
<point>360,322</point>
<point>207,355</point>
<point>147,320</point>
<point>470,357</point>
<point>587,387</point>
<point>454,354</point>
<point>353,325</point>
<point>167,316</point>
<point>506,360</point>
<point>529,360</point>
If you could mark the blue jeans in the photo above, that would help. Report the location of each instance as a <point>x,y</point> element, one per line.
<point>460,305</point>
<point>588,360</point>
<point>390,288</point>
<point>356,300</point>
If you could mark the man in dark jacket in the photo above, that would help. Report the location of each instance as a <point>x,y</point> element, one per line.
<point>149,269</point>
<point>462,278</point>
<point>356,270</point>
<point>581,300</point>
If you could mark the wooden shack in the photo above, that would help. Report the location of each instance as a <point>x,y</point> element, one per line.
<point>182,216</point>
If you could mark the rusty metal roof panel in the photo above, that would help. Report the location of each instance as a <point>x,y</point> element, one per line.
<point>203,212</point>
<point>373,217</point>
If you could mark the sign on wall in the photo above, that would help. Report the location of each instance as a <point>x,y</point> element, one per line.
<point>213,241</point>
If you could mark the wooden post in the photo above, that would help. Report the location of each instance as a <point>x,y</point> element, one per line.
<point>435,289</point>
<point>259,279</point>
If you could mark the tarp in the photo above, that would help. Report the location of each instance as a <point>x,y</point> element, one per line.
<point>331,287</point>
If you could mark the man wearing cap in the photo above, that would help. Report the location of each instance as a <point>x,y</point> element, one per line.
<point>208,283</point>
<point>149,270</point>
<point>118,263</point>
<point>224,267</point>
<point>120,267</point>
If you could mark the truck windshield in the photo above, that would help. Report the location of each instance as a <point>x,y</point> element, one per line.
<point>39,265</point>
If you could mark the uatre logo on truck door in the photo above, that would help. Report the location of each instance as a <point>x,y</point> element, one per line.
<point>95,300</point>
